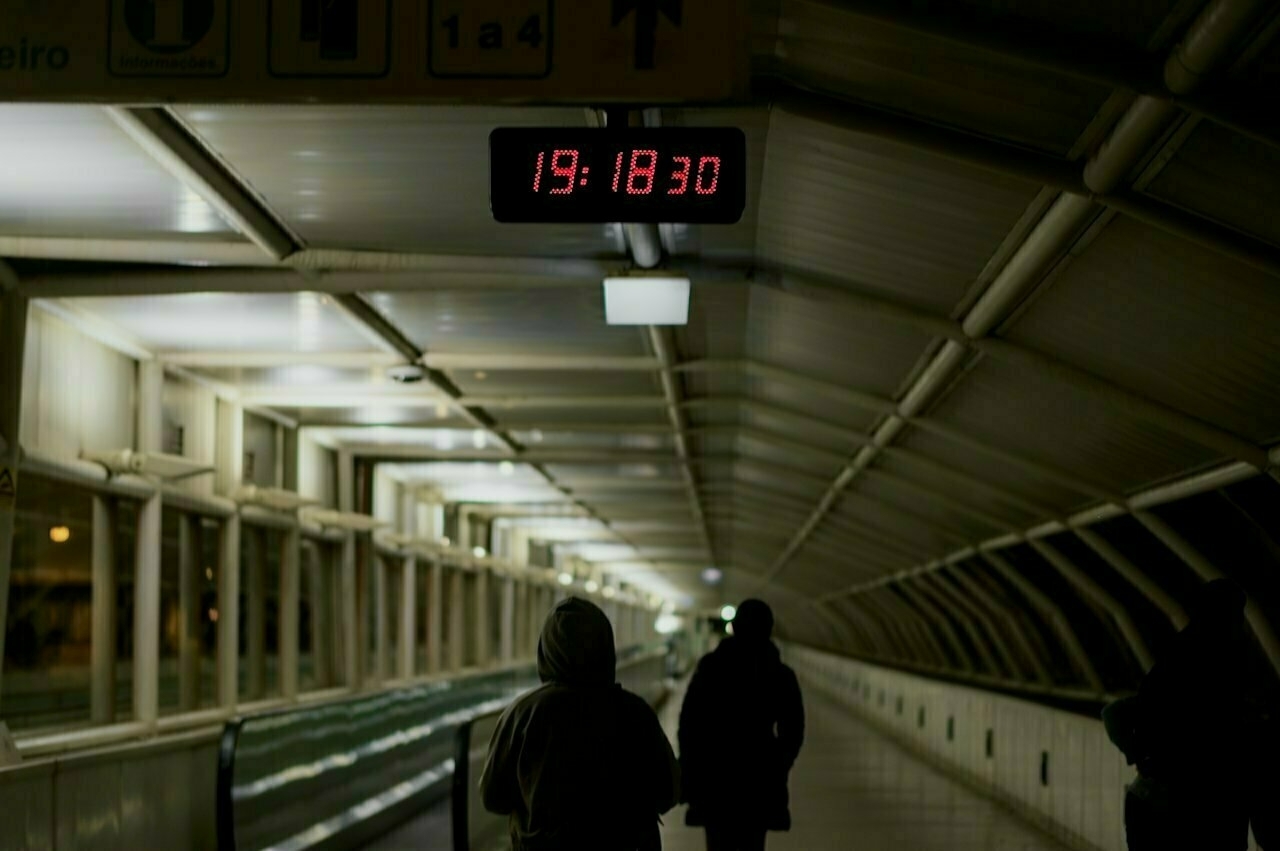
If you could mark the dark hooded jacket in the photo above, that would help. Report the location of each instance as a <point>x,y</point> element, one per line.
<point>580,764</point>
<point>741,728</point>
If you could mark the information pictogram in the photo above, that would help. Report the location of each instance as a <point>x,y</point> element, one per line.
<point>170,38</point>
<point>490,39</point>
<point>329,38</point>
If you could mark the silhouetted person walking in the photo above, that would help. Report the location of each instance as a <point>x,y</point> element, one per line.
<point>741,728</point>
<point>1194,737</point>
<point>580,764</point>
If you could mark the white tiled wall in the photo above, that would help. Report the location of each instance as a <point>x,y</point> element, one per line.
<point>1083,802</point>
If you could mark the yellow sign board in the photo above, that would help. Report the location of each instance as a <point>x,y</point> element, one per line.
<point>360,51</point>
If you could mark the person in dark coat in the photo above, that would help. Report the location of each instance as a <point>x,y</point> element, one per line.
<point>741,728</point>
<point>580,764</point>
<point>1193,735</point>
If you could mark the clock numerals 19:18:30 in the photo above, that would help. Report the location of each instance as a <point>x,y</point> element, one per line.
<point>640,167</point>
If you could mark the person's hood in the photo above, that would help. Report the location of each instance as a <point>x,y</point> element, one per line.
<point>576,646</point>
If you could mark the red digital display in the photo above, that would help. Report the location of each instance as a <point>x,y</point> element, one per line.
<point>641,175</point>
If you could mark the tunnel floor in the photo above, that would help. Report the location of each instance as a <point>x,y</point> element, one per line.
<point>855,790</point>
<point>852,788</point>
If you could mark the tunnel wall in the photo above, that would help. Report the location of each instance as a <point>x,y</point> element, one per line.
<point>1081,803</point>
<point>114,799</point>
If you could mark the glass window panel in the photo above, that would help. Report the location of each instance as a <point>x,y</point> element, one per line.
<point>49,623</point>
<point>260,554</point>
<point>188,612</point>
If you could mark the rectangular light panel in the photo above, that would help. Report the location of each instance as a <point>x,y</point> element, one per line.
<point>646,301</point>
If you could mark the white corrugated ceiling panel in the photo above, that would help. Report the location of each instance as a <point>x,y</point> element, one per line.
<point>882,217</point>
<point>400,179</point>
<point>70,171</point>
<point>1170,320</point>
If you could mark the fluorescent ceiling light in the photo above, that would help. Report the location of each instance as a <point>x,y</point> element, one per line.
<point>646,300</point>
<point>728,613</point>
<point>565,579</point>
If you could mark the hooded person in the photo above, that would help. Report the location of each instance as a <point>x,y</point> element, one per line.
<point>580,764</point>
<point>741,728</point>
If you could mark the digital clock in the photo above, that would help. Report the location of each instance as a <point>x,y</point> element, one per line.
<point>652,174</point>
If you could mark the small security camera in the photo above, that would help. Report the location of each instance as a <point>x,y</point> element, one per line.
<point>409,373</point>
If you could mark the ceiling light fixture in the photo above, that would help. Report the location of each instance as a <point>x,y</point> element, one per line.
<point>478,438</point>
<point>712,575</point>
<point>506,468</point>
<point>479,552</point>
<point>647,300</point>
<point>565,579</point>
<point>728,613</point>
<point>592,586</point>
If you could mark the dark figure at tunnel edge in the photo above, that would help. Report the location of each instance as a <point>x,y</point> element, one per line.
<point>741,728</point>
<point>1205,752</point>
<point>580,764</point>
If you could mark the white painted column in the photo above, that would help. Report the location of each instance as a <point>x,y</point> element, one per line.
<point>508,623</point>
<point>146,613</point>
<point>104,617</point>
<point>457,620</point>
<point>408,617</point>
<point>435,616</point>
<point>13,335</point>
<point>146,582</point>
<point>289,615</point>
<point>229,613</point>
<point>350,615</point>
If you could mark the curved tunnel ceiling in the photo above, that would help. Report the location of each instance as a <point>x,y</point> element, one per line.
<point>986,381</point>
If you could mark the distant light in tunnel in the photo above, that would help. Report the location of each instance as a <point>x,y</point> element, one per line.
<point>565,579</point>
<point>728,613</point>
<point>444,542</point>
<point>59,534</point>
<point>592,586</point>
<point>478,438</point>
<point>712,575</point>
<point>667,623</point>
<point>506,468</point>
<point>479,552</point>
<point>610,591</point>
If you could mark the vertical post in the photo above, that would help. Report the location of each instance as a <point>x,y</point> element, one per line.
<point>13,336</point>
<point>521,620</point>
<point>146,582</point>
<point>508,622</point>
<point>102,642</point>
<point>146,613</point>
<point>457,620</point>
<point>350,614</point>
<point>229,614</point>
<point>189,608</point>
<point>319,574</point>
<point>256,594</point>
<point>290,605</point>
<point>381,620</point>
<point>408,617</point>
<point>484,652</point>
<point>435,615</point>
